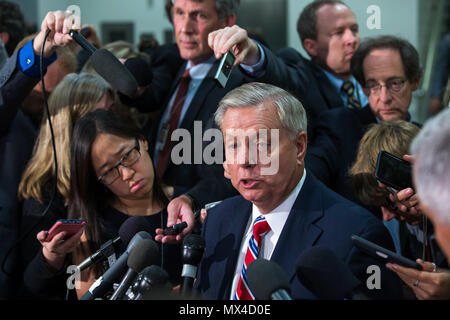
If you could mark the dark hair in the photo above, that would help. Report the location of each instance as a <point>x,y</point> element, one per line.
<point>307,22</point>
<point>408,54</point>
<point>13,23</point>
<point>88,195</point>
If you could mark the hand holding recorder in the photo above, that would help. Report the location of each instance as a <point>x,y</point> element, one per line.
<point>237,41</point>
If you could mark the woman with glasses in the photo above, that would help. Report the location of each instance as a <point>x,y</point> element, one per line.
<point>45,195</point>
<point>113,178</point>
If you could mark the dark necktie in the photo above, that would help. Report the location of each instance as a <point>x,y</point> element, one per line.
<point>172,124</point>
<point>349,89</point>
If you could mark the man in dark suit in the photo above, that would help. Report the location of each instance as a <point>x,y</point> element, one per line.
<point>295,209</point>
<point>329,34</point>
<point>389,70</point>
<point>188,110</point>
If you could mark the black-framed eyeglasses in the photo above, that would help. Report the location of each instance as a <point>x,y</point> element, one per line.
<point>128,160</point>
<point>394,85</point>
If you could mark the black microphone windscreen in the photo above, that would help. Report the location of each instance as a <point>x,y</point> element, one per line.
<point>193,247</point>
<point>113,71</point>
<point>131,227</point>
<point>323,273</point>
<point>141,70</point>
<point>156,275</point>
<point>144,254</point>
<point>266,277</point>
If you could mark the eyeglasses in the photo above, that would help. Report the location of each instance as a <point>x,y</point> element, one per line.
<point>394,85</point>
<point>128,160</point>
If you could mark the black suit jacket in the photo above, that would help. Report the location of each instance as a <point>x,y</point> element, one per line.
<point>205,183</point>
<point>334,147</point>
<point>319,217</point>
<point>17,135</point>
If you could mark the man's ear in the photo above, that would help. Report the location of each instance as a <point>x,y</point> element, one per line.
<point>5,37</point>
<point>226,173</point>
<point>230,20</point>
<point>415,84</point>
<point>310,46</point>
<point>301,142</point>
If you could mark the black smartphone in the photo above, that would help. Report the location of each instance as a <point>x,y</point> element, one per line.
<point>175,229</point>
<point>382,254</point>
<point>393,171</point>
<point>224,71</point>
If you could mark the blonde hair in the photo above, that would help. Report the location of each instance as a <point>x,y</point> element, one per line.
<point>74,97</point>
<point>392,136</point>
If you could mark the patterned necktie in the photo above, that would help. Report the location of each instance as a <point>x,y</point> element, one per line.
<point>260,228</point>
<point>172,124</point>
<point>349,89</point>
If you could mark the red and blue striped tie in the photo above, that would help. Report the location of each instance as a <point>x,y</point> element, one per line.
<point>260,228</point>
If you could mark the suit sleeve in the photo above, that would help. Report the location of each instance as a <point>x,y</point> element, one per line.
<point>14,87</point>
<point>322,156</point>
<point>211,185</point>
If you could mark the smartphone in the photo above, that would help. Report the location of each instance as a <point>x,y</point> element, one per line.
<point>224,70</point>
<point>175,229</point>
<point>70,226</point>
<point>393,172</point>
<point>382,254</point>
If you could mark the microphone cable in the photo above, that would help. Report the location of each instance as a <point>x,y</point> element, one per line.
<point>55,190</point>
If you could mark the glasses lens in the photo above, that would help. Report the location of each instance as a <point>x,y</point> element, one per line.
<point>131,158</point>
<point>396,85</point>
<point>110,177</point>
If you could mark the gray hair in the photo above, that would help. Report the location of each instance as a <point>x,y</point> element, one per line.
<point>224,8</point>
<point>431,149</point>
<point>290,110</point>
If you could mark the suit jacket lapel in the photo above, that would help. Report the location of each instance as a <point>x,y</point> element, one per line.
<point>197,102</point>
<point>326,88</point>
<point>236,226</point>
<point>300,231</point>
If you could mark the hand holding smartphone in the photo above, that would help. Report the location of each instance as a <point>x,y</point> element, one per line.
<point>382,254</point>
<point>394,172</point>
<point>70,226</point>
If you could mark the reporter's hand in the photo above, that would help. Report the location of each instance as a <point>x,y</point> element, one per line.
<point>60,23</point>
<point>426,284</point>
<point>405,203</point>
<point>55,251</point>
<point>235,39</point>
<point>179,210</point>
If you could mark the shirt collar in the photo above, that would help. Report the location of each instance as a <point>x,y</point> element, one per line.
<point>337,83</point>
<point>201,70</point>
<point>278,216</point>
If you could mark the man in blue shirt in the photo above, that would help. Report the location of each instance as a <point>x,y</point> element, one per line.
<point>329,34</point>
<point>18,77</point>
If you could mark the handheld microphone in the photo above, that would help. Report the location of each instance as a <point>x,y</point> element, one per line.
<point>82,41</point>
<point>323,273</point>
<point>106,281</point>
<point>193,247</point>
<point>267,280</point>
<point>151,284</point>
<point>143,255</point>
<point>105,251</point>
<point>108,66</point>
